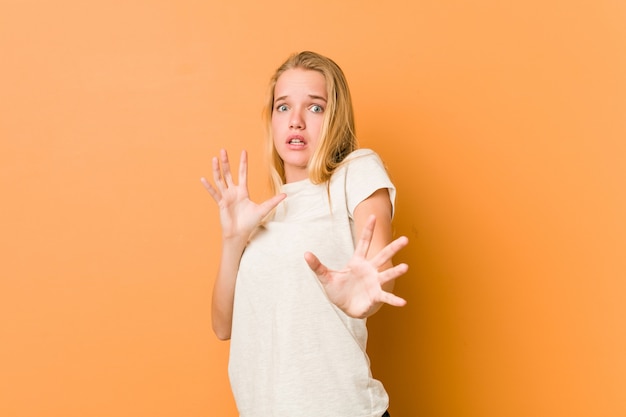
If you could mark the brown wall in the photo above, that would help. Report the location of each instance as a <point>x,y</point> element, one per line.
<point>503,125</point>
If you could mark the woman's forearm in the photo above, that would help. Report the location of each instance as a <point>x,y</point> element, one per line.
<point>224,287</point>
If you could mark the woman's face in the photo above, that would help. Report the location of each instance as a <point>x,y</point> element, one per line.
<point>297,118</point>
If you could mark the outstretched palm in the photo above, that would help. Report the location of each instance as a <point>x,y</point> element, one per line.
<point>357,289</point>
<point>238,214</point>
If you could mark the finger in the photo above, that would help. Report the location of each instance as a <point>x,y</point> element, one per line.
<point>317,267</point>
<point>214,193</point>
<point>243,169</point>
<point>392,273</point>
<point>392,299</point>
<point>389,251</point>
<point>269,204</point>
<point>228,176</point>
<point>217,175</point>
<point>365,239</point>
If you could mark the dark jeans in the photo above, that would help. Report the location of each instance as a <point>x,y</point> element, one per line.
<point>386,414</point>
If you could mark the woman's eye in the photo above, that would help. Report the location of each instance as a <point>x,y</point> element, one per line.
<point>282,107</point>
<point>317,109</point>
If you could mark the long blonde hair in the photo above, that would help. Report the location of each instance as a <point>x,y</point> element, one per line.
<point>338,138</point>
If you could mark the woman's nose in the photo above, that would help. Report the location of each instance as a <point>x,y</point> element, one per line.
<point>296,121</point>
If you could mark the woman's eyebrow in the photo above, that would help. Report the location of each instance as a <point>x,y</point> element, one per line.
<point>313,96</point>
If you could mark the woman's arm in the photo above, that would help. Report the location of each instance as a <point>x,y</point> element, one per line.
<point>360,288</point>
<point>239,216</point>
<point>379,205</point>
<point>224,287</point>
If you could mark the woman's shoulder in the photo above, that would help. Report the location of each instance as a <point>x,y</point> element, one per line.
<point>363,172</point>
<point>362,162</point>
<point>361,152</point>
<point>361,156</point>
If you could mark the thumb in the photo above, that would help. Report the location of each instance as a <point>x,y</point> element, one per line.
<point>269,204</point>
<point>317,267</point>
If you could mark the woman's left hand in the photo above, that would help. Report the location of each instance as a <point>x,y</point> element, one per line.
<point>357,289</point>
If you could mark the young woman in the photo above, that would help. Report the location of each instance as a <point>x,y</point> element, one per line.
<point>300,272</point>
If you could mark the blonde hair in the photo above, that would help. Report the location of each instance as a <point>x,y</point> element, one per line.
<point>337,138</point>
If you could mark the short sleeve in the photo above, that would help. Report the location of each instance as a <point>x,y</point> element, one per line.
<point>365,174</point>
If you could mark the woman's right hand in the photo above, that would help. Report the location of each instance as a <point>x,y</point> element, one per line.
<point>239,216</point>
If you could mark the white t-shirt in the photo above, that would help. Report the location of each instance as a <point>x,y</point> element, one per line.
<point>293,353</point>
